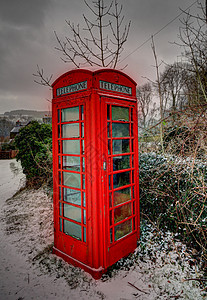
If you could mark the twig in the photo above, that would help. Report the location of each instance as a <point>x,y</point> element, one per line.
<point>137,288</point>
<point>177,296</point>
<point>198,279</point>
<point>45,81</point>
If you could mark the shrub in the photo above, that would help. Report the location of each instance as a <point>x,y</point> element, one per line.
<point>183,140</point>
<point>34,143</point>
<point>179,139</point>
<point>8,146</point>
<point>173,195</point>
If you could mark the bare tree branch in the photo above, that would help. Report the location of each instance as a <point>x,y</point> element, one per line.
<point>101,42</point>
<point>42,80</point>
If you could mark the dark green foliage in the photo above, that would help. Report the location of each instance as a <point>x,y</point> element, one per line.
<point>173,195</point>
<point>34,143</point>
<point>8,146</point>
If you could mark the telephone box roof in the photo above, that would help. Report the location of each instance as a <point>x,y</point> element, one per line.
<point>93,73</point>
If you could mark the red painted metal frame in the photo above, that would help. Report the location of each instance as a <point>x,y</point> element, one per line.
<point>126,244</point>
<point>97,253</point>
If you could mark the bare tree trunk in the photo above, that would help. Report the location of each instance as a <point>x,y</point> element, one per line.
<point>160,95</point>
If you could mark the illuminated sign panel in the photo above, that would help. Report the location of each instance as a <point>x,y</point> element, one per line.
<point>115,87</point>
<point>72,88</point>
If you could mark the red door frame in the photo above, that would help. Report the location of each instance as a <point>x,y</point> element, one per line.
<point>79,249</point>
<point>122,247</point>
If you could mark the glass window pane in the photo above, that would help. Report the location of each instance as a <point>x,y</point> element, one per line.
<point>122,196</point>
<point>122,212</point>
<point>121,179</point>
<point>83,164</point>
<point>60,222</point>
<point>71,163</point>
<point>123,229</point>
<point>110,217</point>
<point>82,130</point>
<point>120,130</point>
<point>133,177</point>
<point>132,145</point>
<point>84,199</point>
<point>58,131</point>
<point>121,162</point>
<point>82,112</point>
<point>60,207</point>
<point>72,179</point>
<point>133,192</point>
<point>110,199</point>
<point>71,147</point>
<point>72,212</point>
<point>109,182</point>
<point>83,180</point>
<point>84,234</point>
<point>72,229</point>
<point>109,147</point>
<point>83,149</point>
<point>108,112</point>
<point>132,115</point>
<point>120,113</point>
<point>72,196</point>
<point>108,130</point>
<point>84,216</point>
<point>111,235</point>
<point>70,114</point>
<point>134,207</point>
<point>132,129</point>
<point>132,161</point>
<point>121,146</point>
<point>59,150</point>
<point>58,116</point>
<point>60,194</point>
<point>70,130</point>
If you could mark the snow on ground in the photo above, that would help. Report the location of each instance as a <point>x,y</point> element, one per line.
<point>29,270</point>
<point>11,179</point>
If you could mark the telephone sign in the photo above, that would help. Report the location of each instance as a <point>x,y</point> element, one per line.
<point>72,88</point>
<point>115,87</point>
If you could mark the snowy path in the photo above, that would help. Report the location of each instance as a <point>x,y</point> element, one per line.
<point>10,179</point>
<point>18,280</point>
<point>9,184</point>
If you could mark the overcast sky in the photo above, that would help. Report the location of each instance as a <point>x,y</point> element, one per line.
<point>27,39</point>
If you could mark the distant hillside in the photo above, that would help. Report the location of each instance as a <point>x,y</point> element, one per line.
<point>24,112</point>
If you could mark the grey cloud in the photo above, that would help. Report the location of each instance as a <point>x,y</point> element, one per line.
<point>151,15</point>
<point>22,43</point>
<point>23,12</point>
<point>26,35</point>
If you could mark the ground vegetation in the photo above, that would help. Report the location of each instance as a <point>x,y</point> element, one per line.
<point>34,144</point>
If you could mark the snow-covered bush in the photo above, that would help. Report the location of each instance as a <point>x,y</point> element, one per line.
<point>173,194</point>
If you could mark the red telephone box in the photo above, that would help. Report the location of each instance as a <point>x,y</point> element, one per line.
<point>95,160</point>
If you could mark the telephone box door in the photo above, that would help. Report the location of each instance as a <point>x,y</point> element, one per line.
<point>70,188</point>
<point>120,178</point>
